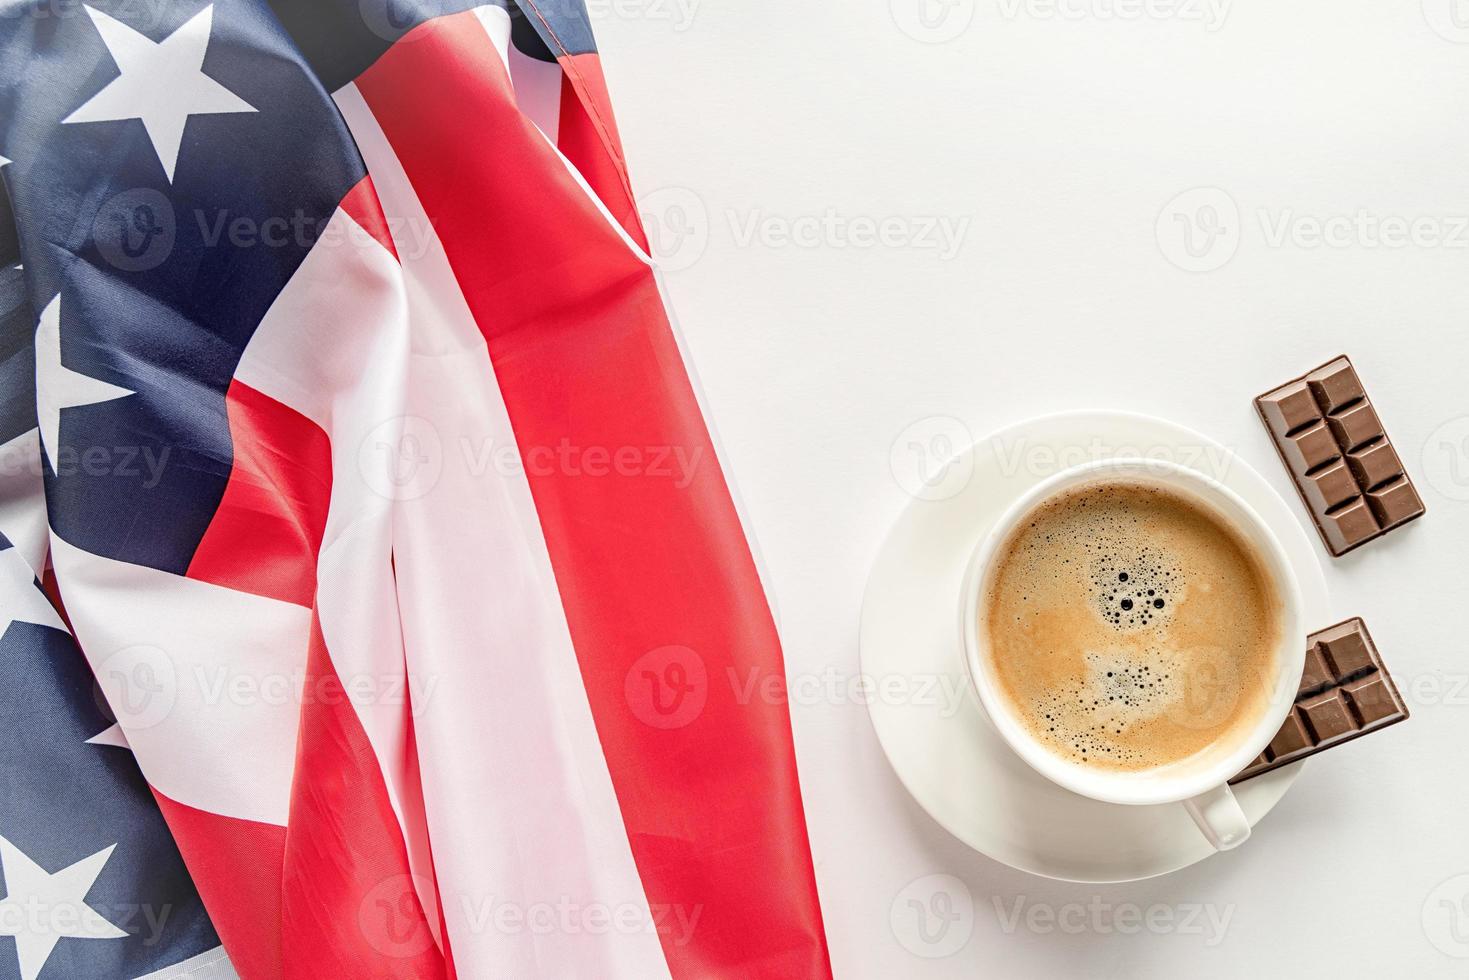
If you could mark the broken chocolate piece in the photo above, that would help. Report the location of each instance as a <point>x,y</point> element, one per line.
<point>1345,692</point>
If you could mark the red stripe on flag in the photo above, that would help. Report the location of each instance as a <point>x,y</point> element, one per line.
<point>588,137</point>
<point>350,905</point>
<point>266,531</point>
<point>52,590</point>
<point>362,205</point>
<point>236,866</point>
<point>655,574</point>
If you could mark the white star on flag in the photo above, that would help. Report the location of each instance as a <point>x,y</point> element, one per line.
<point>20,600</point>
<point>5,159</point>
<point>58,386</point>
<point>41,909</point>
<point>162,83</point>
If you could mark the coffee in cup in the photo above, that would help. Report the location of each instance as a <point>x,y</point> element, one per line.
<point>1132,628</point>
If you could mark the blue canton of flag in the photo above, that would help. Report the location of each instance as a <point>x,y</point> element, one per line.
<point>141,130</point>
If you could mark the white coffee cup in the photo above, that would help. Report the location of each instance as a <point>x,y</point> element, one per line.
<point>1204,789</point>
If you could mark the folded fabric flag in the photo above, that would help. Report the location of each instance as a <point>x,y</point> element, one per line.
<point>382,503</point>
<point>93,885</point>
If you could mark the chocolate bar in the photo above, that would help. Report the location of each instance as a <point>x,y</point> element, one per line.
<point>1345,692</point>
<point>1346,469</point>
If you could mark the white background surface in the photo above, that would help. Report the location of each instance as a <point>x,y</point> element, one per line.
<point>1057,137</point>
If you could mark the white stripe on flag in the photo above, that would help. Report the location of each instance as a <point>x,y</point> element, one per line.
<point>520,801</point>
<point>210,965</point>
<point>538,91</point>
<point>496,22</point>
<point>202,678</point>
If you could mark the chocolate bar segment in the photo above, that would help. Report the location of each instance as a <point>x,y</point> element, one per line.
<point>1345,692</point>
<point>1370,699</point>
<point>1330,486</point>
<point>1330,438</point>
<point>1335,385</point>
<point>1374,465</point>
<point>1394,503</point>
<point>1348,525</point>
<point>1347,648</point>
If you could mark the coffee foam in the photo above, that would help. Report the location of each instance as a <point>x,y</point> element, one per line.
<point>1130,628</point>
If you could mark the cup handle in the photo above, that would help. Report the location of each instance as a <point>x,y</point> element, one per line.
<point>1220,818</point>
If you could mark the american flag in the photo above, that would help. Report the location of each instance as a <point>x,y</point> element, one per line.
<point>343,415</point>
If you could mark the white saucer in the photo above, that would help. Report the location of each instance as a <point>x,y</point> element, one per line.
<point>943,748</point>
